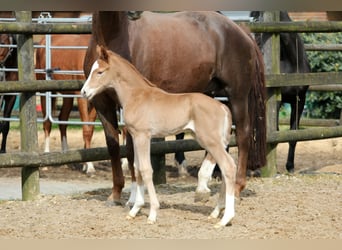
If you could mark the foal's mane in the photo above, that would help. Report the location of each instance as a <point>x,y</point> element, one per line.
<point>131,67</point>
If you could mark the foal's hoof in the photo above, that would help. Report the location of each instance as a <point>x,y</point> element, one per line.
<point>219,225</point>
<point>129,217</point>
<point>151,221</point>
<point>90,173</point>
<point>112,203</point>
<point>129,204</point>
<point>202,196</point>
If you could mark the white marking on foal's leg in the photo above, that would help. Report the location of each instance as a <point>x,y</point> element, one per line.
<point>229,212</point>
<point>221,202</point>
<point>139,202</point>
<point>132,195</point>
<point>204,176</point>
<point>226,198</point>
<point>154,203</point>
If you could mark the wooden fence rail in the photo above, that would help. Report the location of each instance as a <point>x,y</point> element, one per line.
<point>273,80</point>
<point>45,28</point>
<point>296,27</point>
<point>85,28</point>
<point>34,159</point>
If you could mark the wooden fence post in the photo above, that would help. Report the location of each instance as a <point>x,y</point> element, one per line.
<point>272,63</point>
<point>158,164</point>
<point>28,114</point>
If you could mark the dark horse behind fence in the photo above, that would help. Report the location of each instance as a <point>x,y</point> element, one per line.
<point>8,60</point>
<point>186,52</point>
<point>293,59</point>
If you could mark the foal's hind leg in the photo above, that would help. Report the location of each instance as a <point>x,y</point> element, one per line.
<point>226,197</point>
<point>130,160</point>
<point>204,176</point>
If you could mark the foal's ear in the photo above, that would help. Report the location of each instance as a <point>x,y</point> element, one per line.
<point>102,52</point>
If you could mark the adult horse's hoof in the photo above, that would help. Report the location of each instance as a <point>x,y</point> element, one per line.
<point>202,196</point>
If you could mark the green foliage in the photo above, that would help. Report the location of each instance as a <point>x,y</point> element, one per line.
<point>324,104</point>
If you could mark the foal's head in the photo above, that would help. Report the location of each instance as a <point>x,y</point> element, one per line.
<point>99,78</point>
<point>110,71</point>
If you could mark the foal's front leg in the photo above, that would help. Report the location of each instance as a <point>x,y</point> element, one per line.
<point>139,196</point>
<point>144,175</point>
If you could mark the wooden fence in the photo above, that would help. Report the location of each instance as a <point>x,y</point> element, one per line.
<point>30,159</point>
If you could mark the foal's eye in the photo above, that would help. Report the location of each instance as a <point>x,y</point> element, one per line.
<point>99,73</point>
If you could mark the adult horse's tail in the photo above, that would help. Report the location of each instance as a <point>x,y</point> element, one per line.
<point>257,115</point>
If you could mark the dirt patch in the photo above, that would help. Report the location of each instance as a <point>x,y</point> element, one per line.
<point>306,205</point>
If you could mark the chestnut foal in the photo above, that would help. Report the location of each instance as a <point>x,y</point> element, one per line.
<point>164,114</point>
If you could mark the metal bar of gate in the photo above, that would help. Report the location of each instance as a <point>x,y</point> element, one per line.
<point>48,46</point>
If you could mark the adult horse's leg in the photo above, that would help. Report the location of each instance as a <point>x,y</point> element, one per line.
<point>5,125</point>
<point>47,123</point>
<point>110,126</point>
<point>297,107</point>
<point>64,116</point>
<point>109,121</point>
<point>243,131</point>
<point>88,130</point>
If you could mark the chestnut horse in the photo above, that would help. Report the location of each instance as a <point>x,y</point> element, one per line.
<point>293,59</point>
<point>186,52</point>
<point>66,59</point>
<point>8,60</point>
<point>164,114</point>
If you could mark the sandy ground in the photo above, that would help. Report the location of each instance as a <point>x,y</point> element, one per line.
<point>305,205</point>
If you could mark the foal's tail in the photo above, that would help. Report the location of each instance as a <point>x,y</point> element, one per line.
<point>257,115</point>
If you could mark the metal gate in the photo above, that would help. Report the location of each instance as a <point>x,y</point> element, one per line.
<point>45,17</point>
